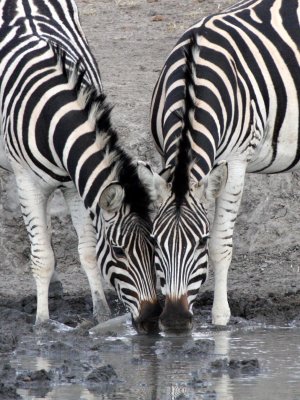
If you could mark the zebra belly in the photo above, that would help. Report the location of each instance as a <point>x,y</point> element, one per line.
<point>4,162</point>
<point>280,156</point>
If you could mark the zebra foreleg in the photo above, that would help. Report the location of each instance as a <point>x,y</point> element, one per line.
<point>87,252</point>
<point>220,244</point>
<point>33,200</point>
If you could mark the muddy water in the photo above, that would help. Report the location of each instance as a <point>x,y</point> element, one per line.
<point>238,363</point>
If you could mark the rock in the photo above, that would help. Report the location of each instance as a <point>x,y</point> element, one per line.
<point>105,374</point>
<point>8,343</point>
<point>56,290</point>
<point>199,347</point>
<point>35,377</point>
<point>8,392</point>
<point>245,366</point>
<point>197,383</point>
<point>113,325</point>
<point>235,367</point>
<point>210,395</point>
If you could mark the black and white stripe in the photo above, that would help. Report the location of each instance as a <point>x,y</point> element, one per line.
<point>57,133</point>
<point>231,85</point>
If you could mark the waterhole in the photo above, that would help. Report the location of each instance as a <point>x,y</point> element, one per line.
<point>238,363</point>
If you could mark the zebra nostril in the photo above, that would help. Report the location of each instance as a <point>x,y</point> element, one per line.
<point>150,326</point>
<point>147,322</point>
<point>176,316</point>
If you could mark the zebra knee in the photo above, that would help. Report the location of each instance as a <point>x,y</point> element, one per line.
<point>87,257</point>
<point>43,264</point>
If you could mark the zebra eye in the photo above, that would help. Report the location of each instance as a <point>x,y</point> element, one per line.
<point>119,252</point>
<point>204,240</point>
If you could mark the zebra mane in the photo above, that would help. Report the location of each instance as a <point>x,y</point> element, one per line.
<point>181,179</point>
<point>99,113</point>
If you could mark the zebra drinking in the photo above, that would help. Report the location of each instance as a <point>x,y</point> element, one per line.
<point>57,133</point>
<point>227,102</point>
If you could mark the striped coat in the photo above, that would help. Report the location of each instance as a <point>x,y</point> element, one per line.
<point>227,102</point>
<point>56,129</point>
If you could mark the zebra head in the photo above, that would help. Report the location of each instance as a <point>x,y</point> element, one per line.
<point>181,233</point>
<point>125,249</point>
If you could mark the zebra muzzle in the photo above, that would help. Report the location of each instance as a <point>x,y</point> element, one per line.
<point>147,322</point>
<point>176,316</point>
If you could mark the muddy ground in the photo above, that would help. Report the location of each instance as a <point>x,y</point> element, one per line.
<point>131,39</point>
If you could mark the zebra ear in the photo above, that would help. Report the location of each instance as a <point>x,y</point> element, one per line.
<point>216,181</point>
<point>212,185</point>
<point>112,197</point>
<point>156,184</point>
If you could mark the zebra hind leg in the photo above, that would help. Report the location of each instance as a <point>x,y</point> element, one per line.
<point>87,252</point>
<point>33,200</point>
<point>55,287</point>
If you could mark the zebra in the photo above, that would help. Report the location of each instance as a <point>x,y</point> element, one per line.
<point>57,133</point>
<point>227,102</point>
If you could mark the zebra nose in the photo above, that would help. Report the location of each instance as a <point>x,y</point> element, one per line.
<point>176,316</point>
<point>147,322</point>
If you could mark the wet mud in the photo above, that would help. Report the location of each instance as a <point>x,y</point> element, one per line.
<point>80,358</point>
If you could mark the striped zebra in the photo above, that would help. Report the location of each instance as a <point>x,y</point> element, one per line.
<point>56,131</point>
<point>227,102</point>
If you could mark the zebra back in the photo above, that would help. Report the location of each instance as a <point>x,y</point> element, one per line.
<point>56,22</point>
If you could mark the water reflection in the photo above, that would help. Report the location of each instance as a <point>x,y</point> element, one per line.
<point>175,368</point>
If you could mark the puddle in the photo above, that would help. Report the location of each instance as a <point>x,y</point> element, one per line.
<point>167,368</point>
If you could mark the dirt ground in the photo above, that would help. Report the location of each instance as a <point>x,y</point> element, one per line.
<point>131,40</point>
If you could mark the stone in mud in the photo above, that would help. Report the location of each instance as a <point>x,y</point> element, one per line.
<point>8,392</point>
<point>56,290</point>
<point>219,364</point>
<point>8,342</point>
<point>245,366</point>
<point>64,373</point>
<point>7,374</point>
<point>199,347</point>
<point>235,367</point>
<point>28,304</point>
<point>111,326</point>
<point>138,360</point>
<point>50,327</point>
<point>105,374</point>
<point>210,395</point>
<point>15,317</point>
<point>61,346</point>
<point>34,377</point>
<point>181,396</point>
<point>197,382</point>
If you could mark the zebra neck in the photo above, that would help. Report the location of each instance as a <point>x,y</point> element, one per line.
<point>89,159</point>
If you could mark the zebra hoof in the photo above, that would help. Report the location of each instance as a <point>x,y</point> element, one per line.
<point>51,326</point>
<point>220,319</point>
<point>220,316</point>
